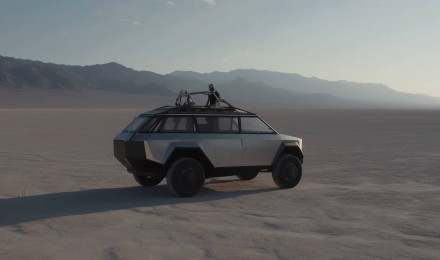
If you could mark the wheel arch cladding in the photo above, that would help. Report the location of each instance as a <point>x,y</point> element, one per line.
<point>194,152</point>
<point>288,148</point>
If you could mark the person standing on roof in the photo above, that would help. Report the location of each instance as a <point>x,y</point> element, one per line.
<point>213,97</point>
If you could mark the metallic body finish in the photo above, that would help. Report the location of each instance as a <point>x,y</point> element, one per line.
<point>224,150</point>
<point>259,149</point>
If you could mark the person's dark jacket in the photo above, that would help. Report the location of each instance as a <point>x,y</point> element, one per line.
<point>212,100</point>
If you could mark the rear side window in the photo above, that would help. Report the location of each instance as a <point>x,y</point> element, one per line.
<point>138,121</point>
<point>183,124</point>
<point>215,124</point>
<point>254,125</point>
<point>151,125</point>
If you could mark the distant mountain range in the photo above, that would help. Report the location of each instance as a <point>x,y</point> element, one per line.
<point>16,74</point>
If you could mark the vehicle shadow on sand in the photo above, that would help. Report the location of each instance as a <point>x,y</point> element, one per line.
<point>23,209</point>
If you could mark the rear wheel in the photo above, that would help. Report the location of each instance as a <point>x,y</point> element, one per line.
<point>247,175</point>
<point>185,177</point>
<point>147,180</point>
<point>287,171</point>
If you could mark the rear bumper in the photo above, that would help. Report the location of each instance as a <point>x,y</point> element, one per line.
<point>119,152</point>
<point>131,154</point>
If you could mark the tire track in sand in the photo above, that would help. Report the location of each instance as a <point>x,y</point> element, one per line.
<point>33,157</point>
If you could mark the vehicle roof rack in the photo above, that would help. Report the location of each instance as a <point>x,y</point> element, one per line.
<point>187,99</point>
<point>185,104</point>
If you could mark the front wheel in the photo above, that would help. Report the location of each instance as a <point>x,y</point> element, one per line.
<point>287,171</point>
<point>185,177</point>
<point>147,180</point>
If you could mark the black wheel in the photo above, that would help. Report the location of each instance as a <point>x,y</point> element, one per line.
<point>146,180</point>
<point>247,175</point>
<point>185,177</point>
<point>287,171</point>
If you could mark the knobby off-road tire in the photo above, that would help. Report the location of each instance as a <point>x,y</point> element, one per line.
<point>185,177</point>
<point>287,171</point>
<point>149,181</point>
<point>247,175</point>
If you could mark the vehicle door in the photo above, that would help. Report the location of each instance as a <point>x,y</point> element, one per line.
<point>220,139</point>
<point>260,142</point>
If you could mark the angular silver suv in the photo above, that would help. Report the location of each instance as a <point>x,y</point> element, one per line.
<point>187,144</point>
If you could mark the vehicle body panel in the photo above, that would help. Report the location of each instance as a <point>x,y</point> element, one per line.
<point>222,149</point>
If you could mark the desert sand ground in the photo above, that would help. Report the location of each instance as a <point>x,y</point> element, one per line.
<point>370,189</point>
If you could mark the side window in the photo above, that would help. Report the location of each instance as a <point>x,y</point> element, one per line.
<point>135,123</point>
<point>254,125</point>
<point>215,124</point>
<point>183,124</point>
<point>151,125</point>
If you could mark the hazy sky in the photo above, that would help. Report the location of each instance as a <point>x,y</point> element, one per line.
<point>382,41</point>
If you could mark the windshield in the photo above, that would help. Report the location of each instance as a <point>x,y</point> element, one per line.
<point>254,125</point>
